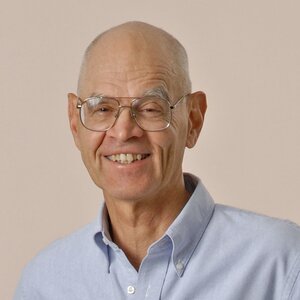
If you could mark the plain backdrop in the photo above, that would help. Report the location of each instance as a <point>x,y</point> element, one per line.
<point>244,54</point>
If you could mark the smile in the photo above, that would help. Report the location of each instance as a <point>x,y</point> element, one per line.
<point>127,158</point>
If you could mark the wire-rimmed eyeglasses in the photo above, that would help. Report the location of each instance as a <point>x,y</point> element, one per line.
<point>151,113</point>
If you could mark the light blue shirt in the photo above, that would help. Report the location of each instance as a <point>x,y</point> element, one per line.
<point>210,252</point>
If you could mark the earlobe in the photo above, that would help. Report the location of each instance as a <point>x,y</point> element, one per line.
<point>73,117</point>
<point>196,109</point>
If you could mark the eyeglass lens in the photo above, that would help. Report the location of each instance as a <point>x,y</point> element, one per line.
<point>150,113</point>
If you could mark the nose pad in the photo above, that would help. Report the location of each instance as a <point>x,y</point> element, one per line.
<point>133,116</point>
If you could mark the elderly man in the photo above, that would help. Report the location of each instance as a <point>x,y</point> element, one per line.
<point>159,234</point>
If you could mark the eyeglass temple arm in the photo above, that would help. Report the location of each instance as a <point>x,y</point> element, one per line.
<point>178,101</point>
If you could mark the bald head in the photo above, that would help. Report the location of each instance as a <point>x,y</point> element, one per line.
<point>131,46</point>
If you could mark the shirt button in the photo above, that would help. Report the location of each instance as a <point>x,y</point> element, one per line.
<point>130,289</point>
<point>179,266</point>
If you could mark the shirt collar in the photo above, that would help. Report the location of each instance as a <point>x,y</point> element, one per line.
<point>185,232</point>
<point>187,229</point>
<point>101,233</point>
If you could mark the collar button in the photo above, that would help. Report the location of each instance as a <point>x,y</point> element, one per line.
<point>179,266</point>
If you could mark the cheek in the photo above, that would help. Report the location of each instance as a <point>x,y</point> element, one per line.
<point>89,144</point>
<point>179,129</point>
<point>170,146</point>
<point>178,136</point>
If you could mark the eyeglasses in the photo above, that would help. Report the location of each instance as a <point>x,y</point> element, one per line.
<point>151,113</point>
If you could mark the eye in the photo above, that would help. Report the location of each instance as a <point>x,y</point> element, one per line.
<point>151,107</point>
<point>101,106</point>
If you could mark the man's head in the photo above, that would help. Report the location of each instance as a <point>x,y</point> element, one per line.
<point>133,44</point>
<point>133,60</point>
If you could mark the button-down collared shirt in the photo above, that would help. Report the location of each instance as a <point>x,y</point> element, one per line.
<point>210,252</point>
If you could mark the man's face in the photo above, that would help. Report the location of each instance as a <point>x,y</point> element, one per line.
<point>130,72</point>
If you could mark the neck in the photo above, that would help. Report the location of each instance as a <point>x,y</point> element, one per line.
<point>136,225</point>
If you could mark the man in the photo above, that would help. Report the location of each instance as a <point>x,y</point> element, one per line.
<point>159,234</point>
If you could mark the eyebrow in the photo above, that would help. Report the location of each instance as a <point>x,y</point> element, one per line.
<point>158,91</point>
<point>96,95</point>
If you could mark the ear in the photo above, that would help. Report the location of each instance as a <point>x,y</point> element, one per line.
<point>196,109</point>
<point>74,119</point>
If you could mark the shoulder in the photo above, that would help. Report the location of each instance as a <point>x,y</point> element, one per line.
<point>62,257</point>
<point>72,244</point>
<point>261,245</point>
<point>270,233</point>
<point>60,267</point>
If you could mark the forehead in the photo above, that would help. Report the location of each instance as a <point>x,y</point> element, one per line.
<point>126,64</point>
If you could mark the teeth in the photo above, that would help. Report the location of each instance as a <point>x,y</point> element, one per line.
<point>122,158</point>
<point>126,158</point>
<point>129,158</point>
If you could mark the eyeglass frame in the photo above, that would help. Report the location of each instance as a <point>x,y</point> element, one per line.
<point>132,114</point>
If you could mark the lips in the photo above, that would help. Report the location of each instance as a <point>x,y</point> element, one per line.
<point>127,158</point>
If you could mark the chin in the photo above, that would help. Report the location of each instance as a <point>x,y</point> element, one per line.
<point>131,192</point>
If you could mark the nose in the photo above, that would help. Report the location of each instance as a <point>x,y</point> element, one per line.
<point>125,127</point>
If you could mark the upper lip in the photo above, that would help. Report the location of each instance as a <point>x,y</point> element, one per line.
<point>127,151</point>
<point>120,148</point>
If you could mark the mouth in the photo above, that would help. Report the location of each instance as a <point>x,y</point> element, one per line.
<point>127,158</point>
